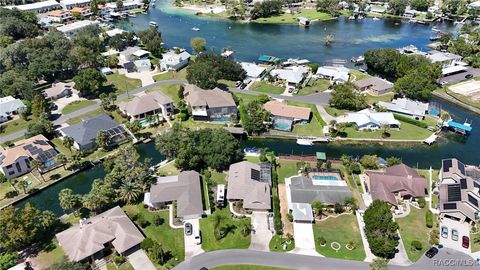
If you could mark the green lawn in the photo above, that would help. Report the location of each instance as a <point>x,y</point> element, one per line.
<point>247,267</point>
<point>413,227</point>
<point>227,83</point>
<point>58,144</point>
<point>219,177</point>
<point>356,75</point>
<point>171,75</point>
<point>169,169</point>
<point>14,126</point>
<point>287,168</point>
<point>200,124</point>
<point>171,239</point>
<point>277,243</point>
<point>234,239</point>
<point>314,86</point>
<point>334,111</point>
<point>407,132</point>
<point>342,230</point>
<point>374,99</point>
<point>252,159</point>
<point>265,87</point>
<point>310,14</point>
<point>246,98</point>
<point>51,254</point>
<point>169,90</point>
<point>77,105</point>
<point>475,244</point>
<point>121,84</point>
<point>4,188</point>
<point>79,118</point>
<point>125,266</point>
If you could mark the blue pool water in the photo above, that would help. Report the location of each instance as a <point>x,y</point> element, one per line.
<point>325,177</point>
<point>224,119</point>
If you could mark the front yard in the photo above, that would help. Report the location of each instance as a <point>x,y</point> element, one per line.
<point>413,227</point>
<point>342,230</point>
<point>121,84</point>
<point>233,239</point>
<point>277,244</point>
<point>309,13</point>
<point>267,88</point>
<point>314,86</point>
<point>171,75</point>
<point>77,105</point>
<point>171,239</point>
<point>14,126</point>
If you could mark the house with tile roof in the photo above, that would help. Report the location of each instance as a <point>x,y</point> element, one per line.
<point>185,189</point>
<point>374,86</point>
<point>59,90</point>
<point>397,183</point>
<point>245,184</point>
<point>210,105</point>
<point>284,116</point>
<point>84,134</point>
<point>88,240</point>
<point>154,104</point>
<point>15,160</point>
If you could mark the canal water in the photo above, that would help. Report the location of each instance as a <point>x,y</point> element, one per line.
<point>249,41</point>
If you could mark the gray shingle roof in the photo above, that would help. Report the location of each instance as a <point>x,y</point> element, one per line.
<point>184,188</point>
<point>86,131</point>
<point>304,191</point>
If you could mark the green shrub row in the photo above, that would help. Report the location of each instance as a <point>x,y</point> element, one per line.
<point>409,120</point>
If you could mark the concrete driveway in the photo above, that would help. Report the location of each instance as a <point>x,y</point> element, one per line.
<point>140,261</point>
<point>192,249</point>
<point>463,230</point>
<point>261,233</point>
<point>304,239</point>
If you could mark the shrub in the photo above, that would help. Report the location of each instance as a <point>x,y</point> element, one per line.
<point>421,202</point>
<point>158,220</point>
<point>338,208</point>
<point>11,194</point>
<point>409,120</point>
<point>416,245</point>
<point>429,219</point>
<point>8,260</point>
<point>118,260</point>
<point>355,168</point>
<point>142,222</point>
<point>351,244</point>
<point>322,240</point>
<point>434,237</point>
<point>146,244</point>
<point>183,116</point>
<point>290,217</point>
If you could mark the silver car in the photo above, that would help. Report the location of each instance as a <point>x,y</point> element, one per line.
<point>454,235</point>
<point>444,232</point>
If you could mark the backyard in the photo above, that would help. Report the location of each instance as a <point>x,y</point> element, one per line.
<point>168,169</point>
<point>121,84</point>
<point>407,132</point>
<point>287,168</point>
<point>413,227</point>
<point>171,75</point>
<point>171,239</point>
<point>310,14</point>
<point>77,105</point>
<point>267,88</point>
<point>233,239</point>
<point>334,111</point>
<point>342,230</point>
<point>356,75</point>
<point>374,99</point>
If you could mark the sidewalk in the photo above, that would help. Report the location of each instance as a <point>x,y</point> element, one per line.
<point>368,253</point>
<point>325,116</point>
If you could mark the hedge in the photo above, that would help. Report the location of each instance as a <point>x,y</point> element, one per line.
<point>409,120</point>
<point>429,219</point>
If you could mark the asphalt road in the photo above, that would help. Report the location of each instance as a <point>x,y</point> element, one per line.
<point>445,259</point>
<point>64,118</point>
<point>317,98</point>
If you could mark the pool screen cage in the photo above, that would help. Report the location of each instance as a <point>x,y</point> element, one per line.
<point>283,124</point>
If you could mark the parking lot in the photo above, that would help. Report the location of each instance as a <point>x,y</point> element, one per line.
<point>461,76</point>
<point>463,230</point>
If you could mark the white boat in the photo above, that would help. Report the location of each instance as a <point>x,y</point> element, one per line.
<point>195,29</point>
<point>305,142</point>
<point>375,19</point>
<point>153,23</point>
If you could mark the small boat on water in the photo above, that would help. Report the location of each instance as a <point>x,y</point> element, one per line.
<point>132,15</point>
<point>435,29</point>
<point>153,23</point>
<point>435,37</point>
<point>251,151</point>
<point>375,19</point>
<point>304,142</point>
<point>195,29</point>
<point>358,59</point>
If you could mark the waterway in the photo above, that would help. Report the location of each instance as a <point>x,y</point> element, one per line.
<point>249,41</point>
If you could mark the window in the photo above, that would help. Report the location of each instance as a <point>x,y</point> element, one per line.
<point>19,169</point>
<point>463,183</point>
<point>11,173</point>
<point>449,206</point>
<point>472,200</point>
<point>9,166</point>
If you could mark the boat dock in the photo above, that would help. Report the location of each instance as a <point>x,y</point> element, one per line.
<point>431,140</point>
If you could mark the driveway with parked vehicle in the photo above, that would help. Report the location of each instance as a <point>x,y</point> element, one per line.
<point>452,235</point>
<point>193,238</point>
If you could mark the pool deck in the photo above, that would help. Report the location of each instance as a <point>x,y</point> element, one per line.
<point>338,181</point>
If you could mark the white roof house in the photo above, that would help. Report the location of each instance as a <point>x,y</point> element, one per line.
<point>334,74</point>
<point>73,28</point>
<point>253,70</point>
<point>443,58</point>
<point>8,106</point>
<point>143,65</point>
<point>114,32</point>
<point>174,61</point>
<point>405,106</point>
<point>69,4</point>
<point>368,119</point>
<point>39,7</point>
<point>292,75</point>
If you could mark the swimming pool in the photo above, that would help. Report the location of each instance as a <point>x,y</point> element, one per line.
<point>325,177</point>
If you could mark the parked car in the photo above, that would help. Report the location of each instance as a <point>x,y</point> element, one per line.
<point>465,241</point>
<point>454,235</point>
<point>188,229</point>
<point>198,239</point>
<point>469,76</point>
<point>444,232</point>
<point>431,252</point>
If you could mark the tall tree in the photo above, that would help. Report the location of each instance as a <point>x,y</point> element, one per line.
<point>381,229</point>
<point>61,159</point>
<point>129,192</point>
<point>89,81</point>
<point>103,139</point>
<point>68,142</point>
<point>198,44</point>
<point>68,200</point>
<point>152,39</point>
<point>346,97</point>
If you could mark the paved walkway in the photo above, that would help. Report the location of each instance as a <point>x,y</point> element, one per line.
<point>261,233</point>
<point>325,116</point>
<point>140,261</point>
<point>369,255</point>
<point>317,98</point>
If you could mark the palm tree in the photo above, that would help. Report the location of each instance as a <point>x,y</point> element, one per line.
<point>68,143</point>
<point>129,192</point>
<point>35,165</point>
<point>61,158</point>
<point>24,184</point>
<point>318,207</point>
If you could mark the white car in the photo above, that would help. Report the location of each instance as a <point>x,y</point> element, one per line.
<point>198,239</point>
